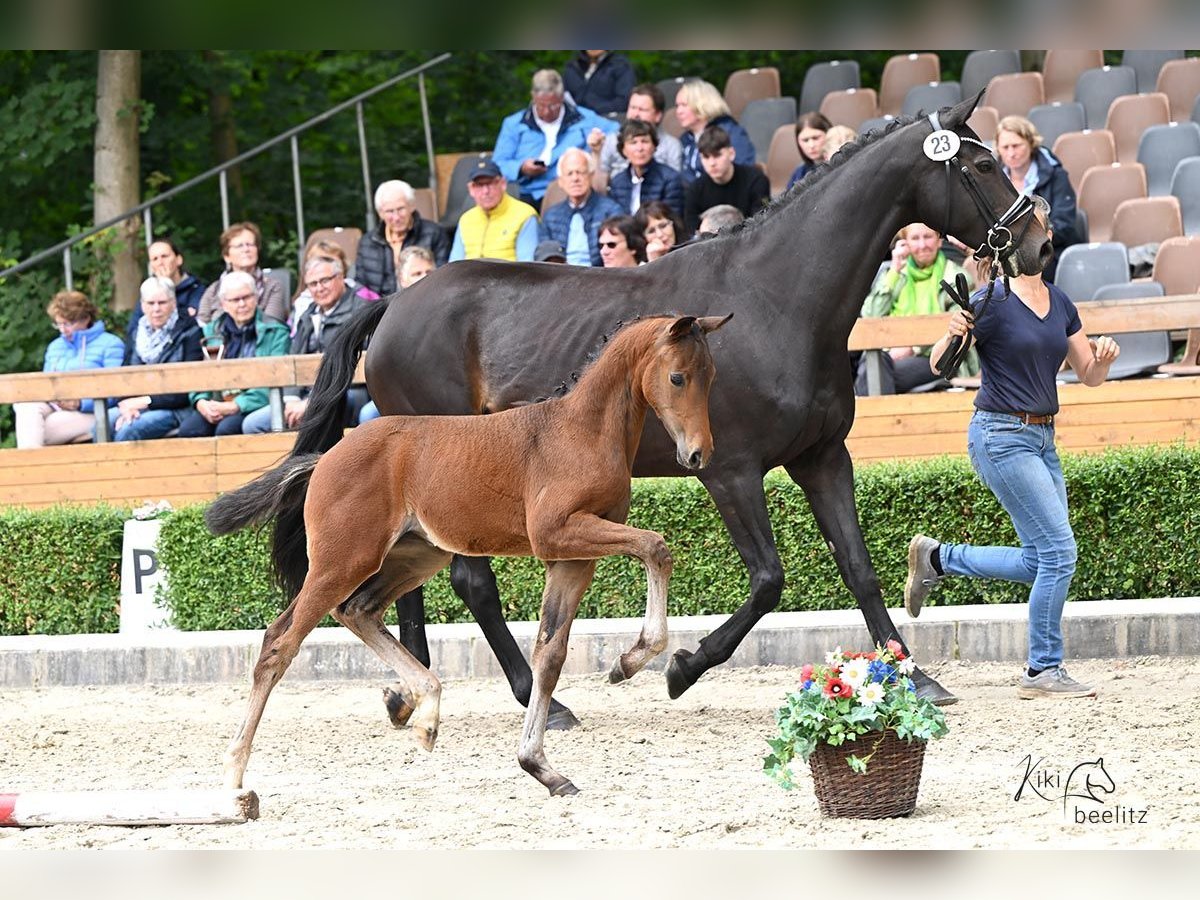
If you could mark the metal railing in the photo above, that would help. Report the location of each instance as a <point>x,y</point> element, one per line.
<point>219,172</point>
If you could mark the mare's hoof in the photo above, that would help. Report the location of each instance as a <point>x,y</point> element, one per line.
<point>566,789</point>
<point>561,719</point>
<point>398,711</point>
<point>426,737</point>
<point>678,680</point>
<point>617,674</point>
<point>935,694</point>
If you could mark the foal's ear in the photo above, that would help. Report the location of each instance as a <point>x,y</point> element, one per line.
<point>960,112</point>
<point>709,324</point>
<point>681,328</point>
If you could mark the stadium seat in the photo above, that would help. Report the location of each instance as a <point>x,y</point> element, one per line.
<point>1142,352</point>
<point>900,73</point>
<point>670,124</point>
<point>1146,64</point>
<point>1016,94</point>
<point>1103,189</point>
<point>981,66</point>
<point>745,85</point>
<point>1062,68</point>
<point>930,97</point>
<point>1096,89</point>
<point>458,200</point>
<point>1134,290</point>
<point>1078,151</point>
<point>346,238</point>
<point>1084,268</point>
<point>425,201</point>
<point>1129,116</point>
<point>1185,187</point>
<point>1161,149</point>
<point>761,118</point>
<point>1147,220</point>
<point>670,87</point>
<point>782,158</point>
<point>1054,119</point>
<point>984,121</point>
<point>1177,269</point>
<point>1179,79</point>
<point>850,107</point>
<point>284,277</point>
<point>554,194</point>
<point>821,78</point>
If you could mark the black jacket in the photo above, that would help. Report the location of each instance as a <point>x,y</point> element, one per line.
<point>183,346</point>
<point>607,91</point>
<point>375,265</point>
<point>305,340</point>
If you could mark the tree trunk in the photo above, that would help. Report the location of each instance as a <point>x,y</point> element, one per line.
<point>117,165</point>
<point>222,131</point>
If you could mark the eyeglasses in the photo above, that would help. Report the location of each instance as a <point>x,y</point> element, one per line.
<point>394,211</point>
<point>319,284</point>
<point>244,245</point>
<point>611,245</point>
<point>237,301</point>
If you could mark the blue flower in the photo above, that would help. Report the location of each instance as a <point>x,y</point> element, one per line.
<point>879,671</point>
<point>807,685</point>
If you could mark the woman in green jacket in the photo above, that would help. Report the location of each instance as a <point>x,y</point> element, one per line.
<point>239,331</point>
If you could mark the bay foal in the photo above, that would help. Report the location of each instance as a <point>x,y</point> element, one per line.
<point>388,506</point>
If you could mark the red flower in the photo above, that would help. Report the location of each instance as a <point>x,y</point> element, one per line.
<point>835,688</point>
<point>896,649</point>
<point>806,672</point>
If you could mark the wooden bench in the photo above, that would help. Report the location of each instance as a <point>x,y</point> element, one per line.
<point>1144,411</point>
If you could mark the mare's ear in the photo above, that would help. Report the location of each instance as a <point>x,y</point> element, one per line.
<point>681,328</point>
<point>709,324</point>
<point>959,113</point>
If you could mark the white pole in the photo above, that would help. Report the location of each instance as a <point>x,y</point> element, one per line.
<point>173,807</point>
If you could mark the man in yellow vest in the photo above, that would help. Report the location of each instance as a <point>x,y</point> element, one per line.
<point>499,226</point>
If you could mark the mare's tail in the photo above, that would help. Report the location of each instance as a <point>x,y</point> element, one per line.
<point>324,418</point>
<point>278,495</point>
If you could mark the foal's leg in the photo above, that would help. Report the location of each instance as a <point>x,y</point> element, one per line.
<point>565,583</point>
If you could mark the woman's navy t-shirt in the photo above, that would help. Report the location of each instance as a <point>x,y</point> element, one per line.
<point>1019,354</point>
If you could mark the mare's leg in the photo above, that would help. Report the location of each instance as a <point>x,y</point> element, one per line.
<point>827,478</point>
<point>566,581</point>
<point>410,616</point>
<point>409,563</point>
<point>739,496</point>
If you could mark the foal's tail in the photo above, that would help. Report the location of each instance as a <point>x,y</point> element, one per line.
<point>278,495</point>
<point>324,418</point>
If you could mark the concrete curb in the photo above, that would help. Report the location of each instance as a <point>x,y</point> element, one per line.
<point>1091,629</point>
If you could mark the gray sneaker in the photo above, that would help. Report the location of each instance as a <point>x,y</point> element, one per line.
<point>1055,683</point>
<point>921,574</point>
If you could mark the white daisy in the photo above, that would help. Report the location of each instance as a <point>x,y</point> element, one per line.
<point>906,666</point>
<point>834,657</point>
<point>871,694</point>
<point>854,672</point>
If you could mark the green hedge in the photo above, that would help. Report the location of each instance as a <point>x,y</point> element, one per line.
<point>1133,512</point>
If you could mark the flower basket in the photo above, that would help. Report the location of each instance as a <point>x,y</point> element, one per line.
<point>887,789</point>
<point>859,724</point>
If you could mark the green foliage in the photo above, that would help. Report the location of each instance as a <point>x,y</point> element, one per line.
<point>850,697</point>
<point>61,572</point>
<point>1131,509</point>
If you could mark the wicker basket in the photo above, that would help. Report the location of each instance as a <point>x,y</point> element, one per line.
<point>887,789</point>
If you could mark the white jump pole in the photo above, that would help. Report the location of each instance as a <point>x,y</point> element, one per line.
<point>171,807</point>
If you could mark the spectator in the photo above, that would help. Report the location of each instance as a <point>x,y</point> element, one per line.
<point>163,336</point>
<point>1034,170</point>
<point>717,217</point>
<point>241,246</point>
<point>912,286</point>
<point>812,130</point>
<point>621,242</point>
<point>599,80</point>
<point>303,297</point>
<point>532,140</point>
<point>697,106</point>
<point>646,104</point>
<point>82,343</point>
<point>645,179</point>
<point>724,181</point>
<point>167,262</point>
<point>550,251</point>
<point>661,227</point>
<point>498,226</point>
<point>239,331</point>
<point>575,222</point>
<point>415,264</point>
<point>334,304</point>
<point>836,138</point>
<point>400,226</point>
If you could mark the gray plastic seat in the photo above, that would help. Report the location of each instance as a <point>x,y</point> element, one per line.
<point>284,277</point>
<point>1054,119</point>
<point>760,118</point>
<point>930,97</point>
<point>821,78</point>
<point>1142,352</point>
<point>1085,268</point>
<point>458,199</point>
<point>1081,223</point>
<point>1146,65</point>
<point>1185,186</point>
<point>1162,148</point>
<point>1096,89</point>
<point>981,66</point>
<point>670,87</point>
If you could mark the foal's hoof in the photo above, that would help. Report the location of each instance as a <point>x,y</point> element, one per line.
<point>398,711</point>
<point>678,680</point>
<point>426,737</point>
<point>561,719</point>
<point>930,690</point>
<point>566,789</point>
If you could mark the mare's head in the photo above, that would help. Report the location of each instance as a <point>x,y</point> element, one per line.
<point>676,381</point>
<point>962,191</point>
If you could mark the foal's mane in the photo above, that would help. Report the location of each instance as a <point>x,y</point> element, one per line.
<point>594,354</point>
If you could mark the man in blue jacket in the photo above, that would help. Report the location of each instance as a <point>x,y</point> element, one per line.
<point>532,140</point>
<point>575,223</point>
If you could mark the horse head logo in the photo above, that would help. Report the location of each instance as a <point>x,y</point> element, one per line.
<point>1095,778</point>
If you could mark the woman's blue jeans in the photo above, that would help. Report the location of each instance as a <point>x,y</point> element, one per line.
<point>1020,466</point>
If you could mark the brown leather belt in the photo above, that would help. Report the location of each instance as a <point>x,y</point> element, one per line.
<point>1032,418</point>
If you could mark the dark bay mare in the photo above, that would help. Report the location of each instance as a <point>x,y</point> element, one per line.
<point>388,507</point>
<point>479,336</point>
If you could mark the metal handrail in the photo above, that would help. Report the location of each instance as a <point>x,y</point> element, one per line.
<point>64,247</point>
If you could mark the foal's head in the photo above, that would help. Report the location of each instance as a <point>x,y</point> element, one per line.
<point>676,382</point>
